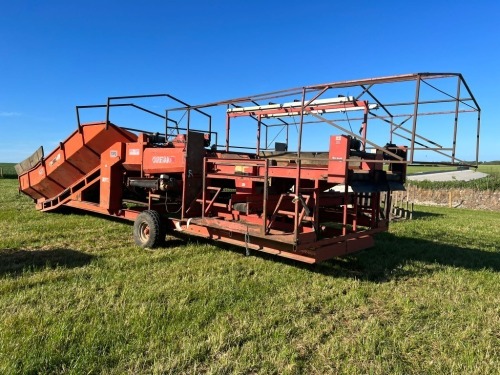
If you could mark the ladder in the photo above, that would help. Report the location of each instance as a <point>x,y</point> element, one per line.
<point>68,194</point>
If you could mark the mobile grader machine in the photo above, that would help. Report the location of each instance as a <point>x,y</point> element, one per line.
<point>308,206</point>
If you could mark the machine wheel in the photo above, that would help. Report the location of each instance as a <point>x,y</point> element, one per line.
<point>148,230</point>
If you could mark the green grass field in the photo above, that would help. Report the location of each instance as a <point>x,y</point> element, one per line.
<point>490,182</point>
<point>76,296</point>
<point>8,170</point>
<point>493,169</point>
<point>414,169</point>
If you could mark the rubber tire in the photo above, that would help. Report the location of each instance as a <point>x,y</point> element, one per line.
<point>148,231</point>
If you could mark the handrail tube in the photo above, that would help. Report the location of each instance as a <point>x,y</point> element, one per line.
<point>149,96</point>
<point>78,107</point>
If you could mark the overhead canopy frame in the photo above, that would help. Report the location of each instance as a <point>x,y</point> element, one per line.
<point>439,93</point>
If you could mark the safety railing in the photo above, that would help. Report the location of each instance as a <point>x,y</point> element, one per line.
<point>167,120</point>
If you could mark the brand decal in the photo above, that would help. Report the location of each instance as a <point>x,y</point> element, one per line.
<point>134,151</point>
<point>162,159</point>
<point>113,153</point>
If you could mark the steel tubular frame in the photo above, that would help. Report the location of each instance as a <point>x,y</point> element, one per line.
<point>367,86</point>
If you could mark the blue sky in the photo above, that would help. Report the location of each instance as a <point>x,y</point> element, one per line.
<point>55,55</point>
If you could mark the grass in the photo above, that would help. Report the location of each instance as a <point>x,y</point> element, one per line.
<point>414,169</point>
<point>486,168</point>
<point>486,183</point>
<point>493,169</point>
<point>8,170</point>
<point>77,297</point>
<point>491,182</point>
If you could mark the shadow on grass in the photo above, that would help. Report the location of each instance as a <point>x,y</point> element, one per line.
<point>15,262</point>
<point>425,215</point>
<point>418,215</point>
<point>392,257</point>
<point>395,257</point>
